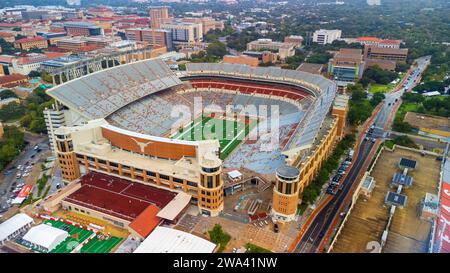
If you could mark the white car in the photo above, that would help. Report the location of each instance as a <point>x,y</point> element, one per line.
<point>19,167</point>
<point>26,175</point>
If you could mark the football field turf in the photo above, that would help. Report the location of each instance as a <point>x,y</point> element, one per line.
<point>76,236</point>
<point>98,246</point>
<point>229,132</point>
<point>79,235</point>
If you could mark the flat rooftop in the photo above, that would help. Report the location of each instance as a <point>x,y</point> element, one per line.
<point>368,219</point>
<point>118,197</point>
<point>311,68</point>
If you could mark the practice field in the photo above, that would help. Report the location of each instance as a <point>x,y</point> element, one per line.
<point>100,246</point>
<point>229,132</point>
<point>77,236</point>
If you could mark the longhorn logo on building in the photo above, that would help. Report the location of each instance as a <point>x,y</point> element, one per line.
<point>142,145</point>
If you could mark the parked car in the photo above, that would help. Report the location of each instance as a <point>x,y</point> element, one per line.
<point>275,228</point>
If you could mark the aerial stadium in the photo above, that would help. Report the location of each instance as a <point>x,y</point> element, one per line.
<point>184,132</point>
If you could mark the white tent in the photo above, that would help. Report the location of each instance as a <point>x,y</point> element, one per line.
<point>13,226</point>
<point>167,240</point>
<point>45,237</point>
<point>235,174</point>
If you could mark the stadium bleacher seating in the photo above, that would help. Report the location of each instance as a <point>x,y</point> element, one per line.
<point>102,93</point>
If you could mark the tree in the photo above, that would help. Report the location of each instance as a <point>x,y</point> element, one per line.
<point>405,141</point>
<point>319,58</point>
<point>375,74</point>
<point>377,98</point>
<point>216,49</point>
<point>34,74</point>
<point>7,93</point>
<point>218,236</point>
<point>20,36</point>
<point>401,126</point>
<point>12,111</point>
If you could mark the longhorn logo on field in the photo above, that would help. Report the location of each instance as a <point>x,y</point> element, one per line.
<point>142,145</point>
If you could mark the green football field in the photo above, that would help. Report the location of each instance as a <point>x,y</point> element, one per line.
<point>79,235</point>
<point>98,246</point>
<point>76,236</point>
<point>229,132</point>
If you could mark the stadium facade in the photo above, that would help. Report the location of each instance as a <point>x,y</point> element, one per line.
<point>121,122</point>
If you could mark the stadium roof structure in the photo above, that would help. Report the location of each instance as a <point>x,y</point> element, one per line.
<point>175,207</point>
<point>45,236</point>
<point>396,199</point>
<point>312,82</point>
<point>402,179</point>
<point>101,93</point>
<point>167,240</point>
<point>13,224</point>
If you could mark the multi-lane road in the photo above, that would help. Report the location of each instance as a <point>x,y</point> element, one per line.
<point>323,223</point>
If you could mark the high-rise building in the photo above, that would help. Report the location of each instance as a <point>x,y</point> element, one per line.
<point>152,37</point>
<point>284,49</point>
<point>82,29</point>
<point>157,14</point>
<point>183,32</point>
<point>207,23</point>
<point>297,40</point>
<point>347,65</point>
<point>326,36</point>
<point>382,53</point>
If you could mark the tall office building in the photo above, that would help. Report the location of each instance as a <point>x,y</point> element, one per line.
<point>347,65</point>
<point>326,36</point>
<point>152,37</point>
<point>183,32</point>
<point>158,13</point>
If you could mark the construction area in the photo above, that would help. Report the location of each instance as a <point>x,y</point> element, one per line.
<point>393,217</point>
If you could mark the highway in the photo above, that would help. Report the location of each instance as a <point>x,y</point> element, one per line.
<point>318,232</point>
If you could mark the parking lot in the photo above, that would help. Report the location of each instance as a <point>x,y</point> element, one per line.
<point>24,170</point>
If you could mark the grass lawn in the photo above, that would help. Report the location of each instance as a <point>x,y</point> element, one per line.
<point>384,88</point>
<point>406,107</point>
<point>79,235</point>
<point>251,248</point>
<point>230,133</point>
<point>381,88</point>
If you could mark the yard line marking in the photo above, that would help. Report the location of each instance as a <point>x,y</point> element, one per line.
<point>192,127</point>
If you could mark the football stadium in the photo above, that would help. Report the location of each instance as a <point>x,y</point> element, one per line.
<point>139,136</point>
